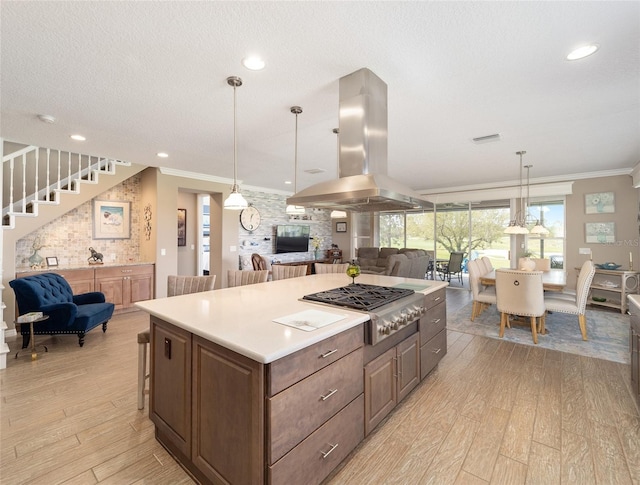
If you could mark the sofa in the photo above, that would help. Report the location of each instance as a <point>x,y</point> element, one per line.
<point>50,294</point>
<point>406,262</point>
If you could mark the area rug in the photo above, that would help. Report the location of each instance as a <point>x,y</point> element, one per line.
<point>608,333</point>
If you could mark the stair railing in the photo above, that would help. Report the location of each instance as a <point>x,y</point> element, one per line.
<point>61,171</point>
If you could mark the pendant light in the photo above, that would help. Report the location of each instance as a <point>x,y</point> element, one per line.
<point>235,201</point>
<point>295,209</point>
<point>537,229</point>
<point>338,214</point>
<point>519,224</point>
<point>516,226</point>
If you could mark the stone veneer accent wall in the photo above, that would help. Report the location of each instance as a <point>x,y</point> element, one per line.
<point>272,209</point>
<point>70,236</point>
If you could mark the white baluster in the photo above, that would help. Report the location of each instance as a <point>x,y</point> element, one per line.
<point>24,183</point>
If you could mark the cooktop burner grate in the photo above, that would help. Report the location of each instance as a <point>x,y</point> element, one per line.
<point>360,296</point>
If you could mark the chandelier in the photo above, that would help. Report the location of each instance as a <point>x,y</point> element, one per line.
<point>523,217</point>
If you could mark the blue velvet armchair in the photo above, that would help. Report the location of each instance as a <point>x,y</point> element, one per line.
<point>50,294</point>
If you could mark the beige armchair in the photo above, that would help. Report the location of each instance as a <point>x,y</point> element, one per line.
<point>282,272</point>
<point>238,277</point>
<point>182,285</point>
<point>324,268</point>
<point>520,293</point>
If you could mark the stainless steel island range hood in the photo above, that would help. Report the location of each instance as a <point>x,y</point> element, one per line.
<point>363,184</point>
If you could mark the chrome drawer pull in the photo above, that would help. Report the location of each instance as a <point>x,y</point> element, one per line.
<point>436,351</point>
<point>324,356</point>
<point>436,321</point>
<point>327,396</point>
<point>325,454</point>
<point>437,298</point>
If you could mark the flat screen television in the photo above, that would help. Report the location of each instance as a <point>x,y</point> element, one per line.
<point>292,238</point>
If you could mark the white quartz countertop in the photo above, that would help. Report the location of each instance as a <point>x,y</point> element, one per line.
<point>634,301</point>
<point>241,318</point>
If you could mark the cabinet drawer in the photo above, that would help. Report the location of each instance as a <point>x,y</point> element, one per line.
<point>118,271</point>
<point>434,298</point>
<point>295,413</point>
<point>433,322</point>
<point>290,369</point>
<point>312,460</point>
<point>432,352</point>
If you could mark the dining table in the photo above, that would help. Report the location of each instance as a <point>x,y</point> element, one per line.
<point>552,280</point>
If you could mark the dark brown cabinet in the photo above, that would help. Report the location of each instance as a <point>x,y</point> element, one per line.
<point>388,379</point>
<point>80,280</point>
<point>125,285</point>
<point>433,333</point>
<point>229,419</point>
<point>170,385</point>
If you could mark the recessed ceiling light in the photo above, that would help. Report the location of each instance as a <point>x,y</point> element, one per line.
<point>287,182</point>
<point>162,155</point>
<point>581,52</point>
<point>77,137</point>
<point>253,63</point>
<point>46,118</point>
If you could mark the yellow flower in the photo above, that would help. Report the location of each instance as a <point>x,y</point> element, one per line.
<point>316,242</point>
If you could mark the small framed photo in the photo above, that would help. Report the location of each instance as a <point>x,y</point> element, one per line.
<point>600,203</point>
<point>341,227</point>
<point>182,227</point>
<point>52,261</point>
<point>600,232</point>
<point>111,219</point>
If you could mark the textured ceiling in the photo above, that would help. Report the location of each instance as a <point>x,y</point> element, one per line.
<point>137,78</point>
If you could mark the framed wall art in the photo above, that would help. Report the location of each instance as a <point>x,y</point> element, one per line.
<point>52,261</point>
<point>111,219</point>
<point>600,203</point>
<point>600,232</point>
<point>341,227</point>
<point>182,227</point>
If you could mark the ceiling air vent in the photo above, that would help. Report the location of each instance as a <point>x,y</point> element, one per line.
<point>487,139</point>
<point>315,170</point>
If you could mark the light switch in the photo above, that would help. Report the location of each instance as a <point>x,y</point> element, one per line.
<point>232,249</point>
<point>584,251</point>
<point>163,252</point>
<point>193,246</point>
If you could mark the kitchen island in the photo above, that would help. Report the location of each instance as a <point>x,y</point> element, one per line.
<point>238,398</point>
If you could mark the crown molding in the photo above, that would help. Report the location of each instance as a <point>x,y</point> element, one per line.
<point>219,180</point>
<point>533,181</point>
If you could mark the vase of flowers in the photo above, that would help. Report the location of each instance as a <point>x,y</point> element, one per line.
<point>315,244</point>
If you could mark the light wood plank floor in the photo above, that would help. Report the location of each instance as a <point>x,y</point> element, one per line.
<point>492,412</point>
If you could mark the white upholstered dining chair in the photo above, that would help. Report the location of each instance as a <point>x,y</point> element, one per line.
<point>482,296</point>
<point>574,304</point>
<point>520,293</point>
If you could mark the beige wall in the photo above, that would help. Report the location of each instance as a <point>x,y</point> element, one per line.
<point>188,255</point>
<point>625,218</point>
